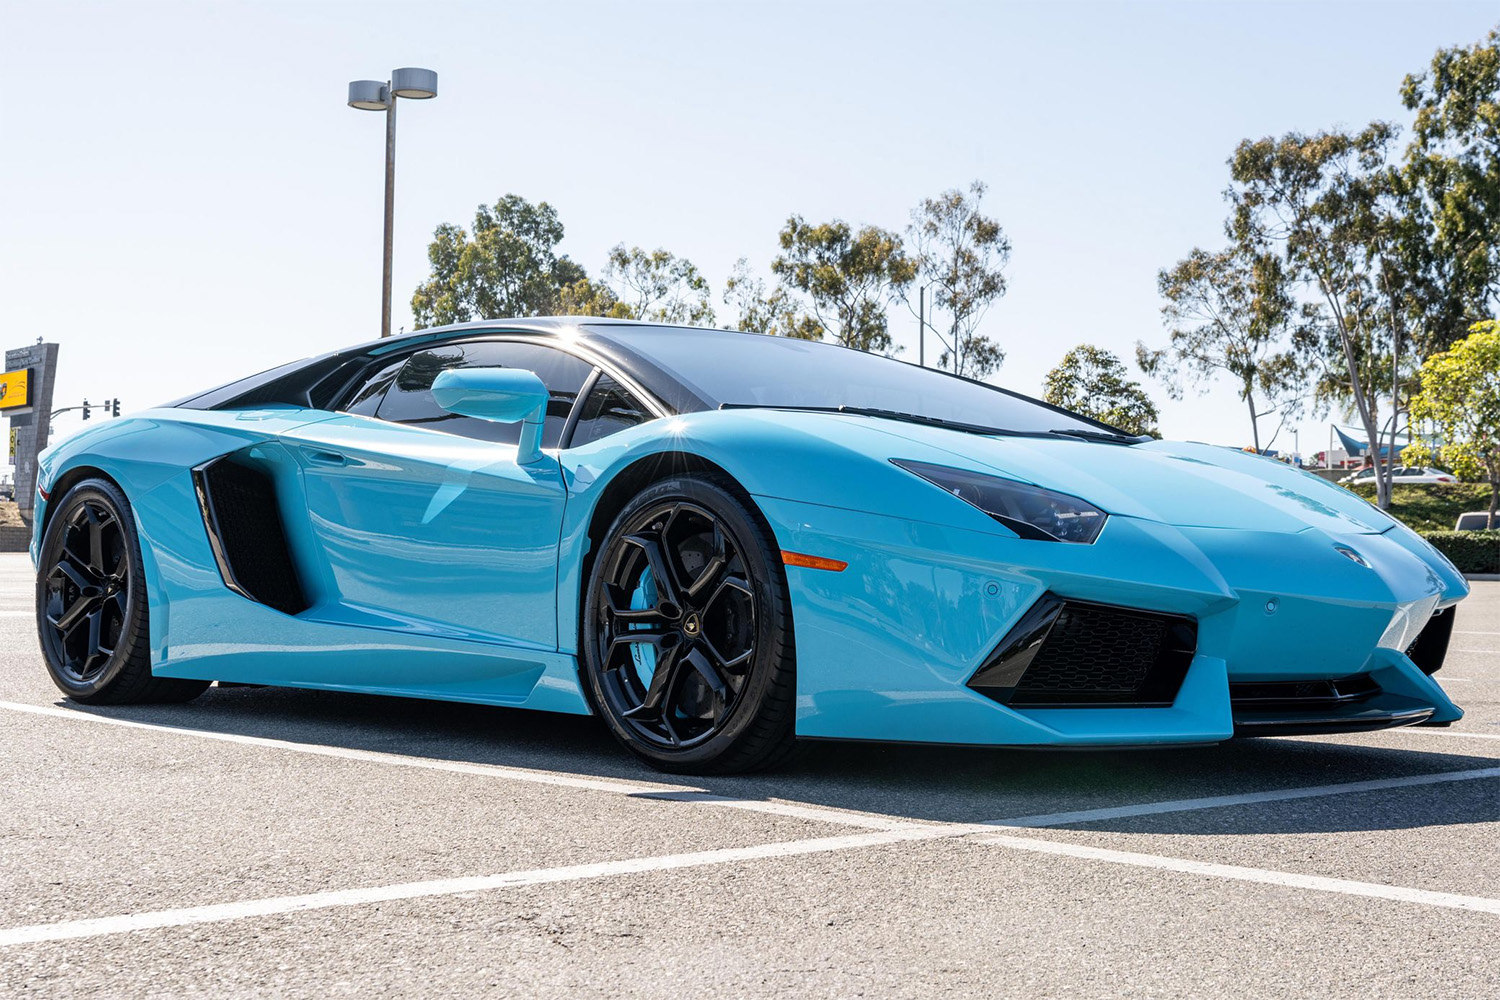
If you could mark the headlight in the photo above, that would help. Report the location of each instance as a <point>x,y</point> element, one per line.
<point>1029,511</point>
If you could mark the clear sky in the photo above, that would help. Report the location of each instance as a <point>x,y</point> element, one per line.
<point>185,198</point>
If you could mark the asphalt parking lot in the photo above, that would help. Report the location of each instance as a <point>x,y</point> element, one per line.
<point>272,842</point>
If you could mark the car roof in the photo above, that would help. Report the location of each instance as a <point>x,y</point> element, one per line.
<point>294,382</point>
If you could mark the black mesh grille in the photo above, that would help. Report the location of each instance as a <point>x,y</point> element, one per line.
<point>244,522</point>
<point>1071,653</point>
<point>1095,650</point>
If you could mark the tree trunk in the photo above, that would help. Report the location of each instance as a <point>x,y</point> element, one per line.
<point>1254,423</point>
<point>1396,334</point>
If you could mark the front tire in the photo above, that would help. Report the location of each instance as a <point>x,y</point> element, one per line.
<point>687,632</point>
<point>91,608</point>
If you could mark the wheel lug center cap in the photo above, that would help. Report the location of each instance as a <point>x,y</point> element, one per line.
<point>692,626</point>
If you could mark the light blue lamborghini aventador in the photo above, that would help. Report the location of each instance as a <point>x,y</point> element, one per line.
<point>719,543</point>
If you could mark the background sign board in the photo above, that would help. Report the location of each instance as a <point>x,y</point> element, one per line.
<point>29,423</point>
<point>15,389</point>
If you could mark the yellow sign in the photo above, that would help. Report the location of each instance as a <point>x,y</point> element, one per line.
<point>14,390</point>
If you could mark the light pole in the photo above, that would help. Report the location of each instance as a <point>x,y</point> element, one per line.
<point>372,95</point>
<point>922,326</point>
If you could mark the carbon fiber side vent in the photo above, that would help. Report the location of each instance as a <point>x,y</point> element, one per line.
<point>243,518</point>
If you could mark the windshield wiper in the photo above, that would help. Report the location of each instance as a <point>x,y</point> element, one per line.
<point>952,425</point>
<point>917,418</point>
<point>870,411</point>
<point>1091,435</point>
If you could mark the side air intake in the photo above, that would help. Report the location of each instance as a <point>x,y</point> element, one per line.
<point>1430,647</point>
<point>243,518</point>
<point>1076,654</point>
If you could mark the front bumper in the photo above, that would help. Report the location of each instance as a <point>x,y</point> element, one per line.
<point>886,648</point>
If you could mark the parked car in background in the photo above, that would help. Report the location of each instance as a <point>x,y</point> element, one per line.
<point>1474,520</point>
<point>1402,474</point>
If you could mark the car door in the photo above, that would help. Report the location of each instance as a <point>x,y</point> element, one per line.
<point>424,518</point>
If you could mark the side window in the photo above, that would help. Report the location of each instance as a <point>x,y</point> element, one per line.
<point>409,400</point>
<point>608,408</point>
<point>366,399</point>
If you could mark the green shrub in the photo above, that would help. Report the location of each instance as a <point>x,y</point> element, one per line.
<point>1470,551</point>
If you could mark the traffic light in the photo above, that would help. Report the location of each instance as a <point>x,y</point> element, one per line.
<point>85,409</point>
<point>114,407</point>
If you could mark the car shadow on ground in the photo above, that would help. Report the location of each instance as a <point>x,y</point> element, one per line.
<point>941,784</point>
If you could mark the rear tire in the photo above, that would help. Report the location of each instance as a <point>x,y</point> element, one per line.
<point>91,608</point>
<point>687,651</point>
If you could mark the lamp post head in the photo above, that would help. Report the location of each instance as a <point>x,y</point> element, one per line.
<point>415,83</point>
<point>368,95</point>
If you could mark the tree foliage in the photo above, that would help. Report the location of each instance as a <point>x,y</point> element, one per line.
<point>850,276</point>
<point>657,286</point>
<point>961,254</point>
<point>1325,203</point>
<point>1453,167</point>
<point>1229,313</point>
<point>757,311</point>
<point>507,265</point>
<point>1460,397</point>
<point>1095,383</point>
<point>586,297</point>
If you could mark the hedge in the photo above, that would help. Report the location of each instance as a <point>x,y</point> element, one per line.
<point>1470,551</point>
<point>1431,506</point>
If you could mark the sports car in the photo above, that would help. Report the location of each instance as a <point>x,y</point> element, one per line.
<point>722,543</point>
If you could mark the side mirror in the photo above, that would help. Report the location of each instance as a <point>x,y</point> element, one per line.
<point>504,395</point>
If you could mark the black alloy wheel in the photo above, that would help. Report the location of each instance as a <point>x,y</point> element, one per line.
<point>91,603</point>
<point>687,632</point>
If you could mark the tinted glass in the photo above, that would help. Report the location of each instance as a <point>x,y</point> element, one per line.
<point>723,367</point>
<point>366,399</point>
<point>608,408</point>
<point>409,400</point>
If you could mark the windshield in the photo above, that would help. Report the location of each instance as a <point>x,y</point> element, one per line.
<point>739,369</point>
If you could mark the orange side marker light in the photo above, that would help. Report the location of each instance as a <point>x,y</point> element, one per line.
<point>813,562</point>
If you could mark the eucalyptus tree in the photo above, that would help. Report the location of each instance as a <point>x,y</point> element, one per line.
<point>1321,201</point>
<point>1230,313</point>
<point>506,264</point>
<point>961,254</point>
<point>658,286</point>
<point>776,312</point>
<point>1453,167</point>
<point>849,276</point>
<point>1094,382</point>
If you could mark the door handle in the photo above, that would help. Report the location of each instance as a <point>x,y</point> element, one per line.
<point>320,457</point>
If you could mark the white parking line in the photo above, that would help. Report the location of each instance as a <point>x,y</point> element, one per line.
<point>1246,799</point>
<point>67,930</point>
<point>888,830</point>
<point>1265,876</point>
<point>94,927</point>
<point>636,789</point>
<point>1451,733</point>
<point>1459,631</point>
<point>1474,650</point>
<point>681,793</point>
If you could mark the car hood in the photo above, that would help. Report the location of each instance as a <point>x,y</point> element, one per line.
<point>1184,484</point>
